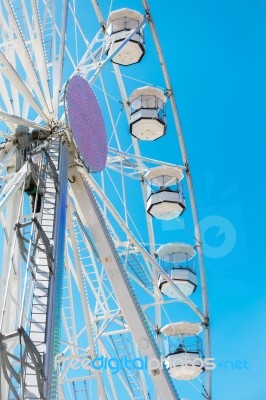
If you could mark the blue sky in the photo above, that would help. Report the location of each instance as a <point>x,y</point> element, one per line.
<point>216,56</point>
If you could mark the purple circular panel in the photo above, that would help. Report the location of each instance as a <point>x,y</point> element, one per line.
<point>87,123</point>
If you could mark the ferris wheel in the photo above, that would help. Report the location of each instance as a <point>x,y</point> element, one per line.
<point>103,291</point>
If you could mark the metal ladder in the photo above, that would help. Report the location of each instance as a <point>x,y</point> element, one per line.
<point>42,274</point>
<point>83,390</point>
<point>20,17</point>
<point>132,375</point>
<point>137,268</point>
<point>47,29</point>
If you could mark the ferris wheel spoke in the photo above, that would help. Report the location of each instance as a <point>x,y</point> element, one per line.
<point>98,13</point>
<point>16,120</point>
<point>141,159</point>
<point>12,186</point>
<point>5,96</point>
<point>25,57</point>
<point>14,97</point>
<point>87,58</point>
<point>113,122</point>
<point>40,55</point>
<point>18,83</point>
<point>122,91</point>
<point>49,27</point>
<point>58,60</point>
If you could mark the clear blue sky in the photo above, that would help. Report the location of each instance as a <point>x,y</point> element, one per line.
<point>216,54</point>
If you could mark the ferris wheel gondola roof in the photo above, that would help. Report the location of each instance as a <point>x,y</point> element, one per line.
<point>148,91</point>
<point>124,12</point>
<point>164,175</point>
<point>182,251</point>
<point>183,328</point>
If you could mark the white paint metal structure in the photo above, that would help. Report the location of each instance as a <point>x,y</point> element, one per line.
<point>80,283</point>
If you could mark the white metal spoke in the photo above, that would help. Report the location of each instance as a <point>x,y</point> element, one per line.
<point>59,59</point>
<point>14,119</point>
<point>25,57</point>
<point>40,55</point>
<point>11,74</point>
